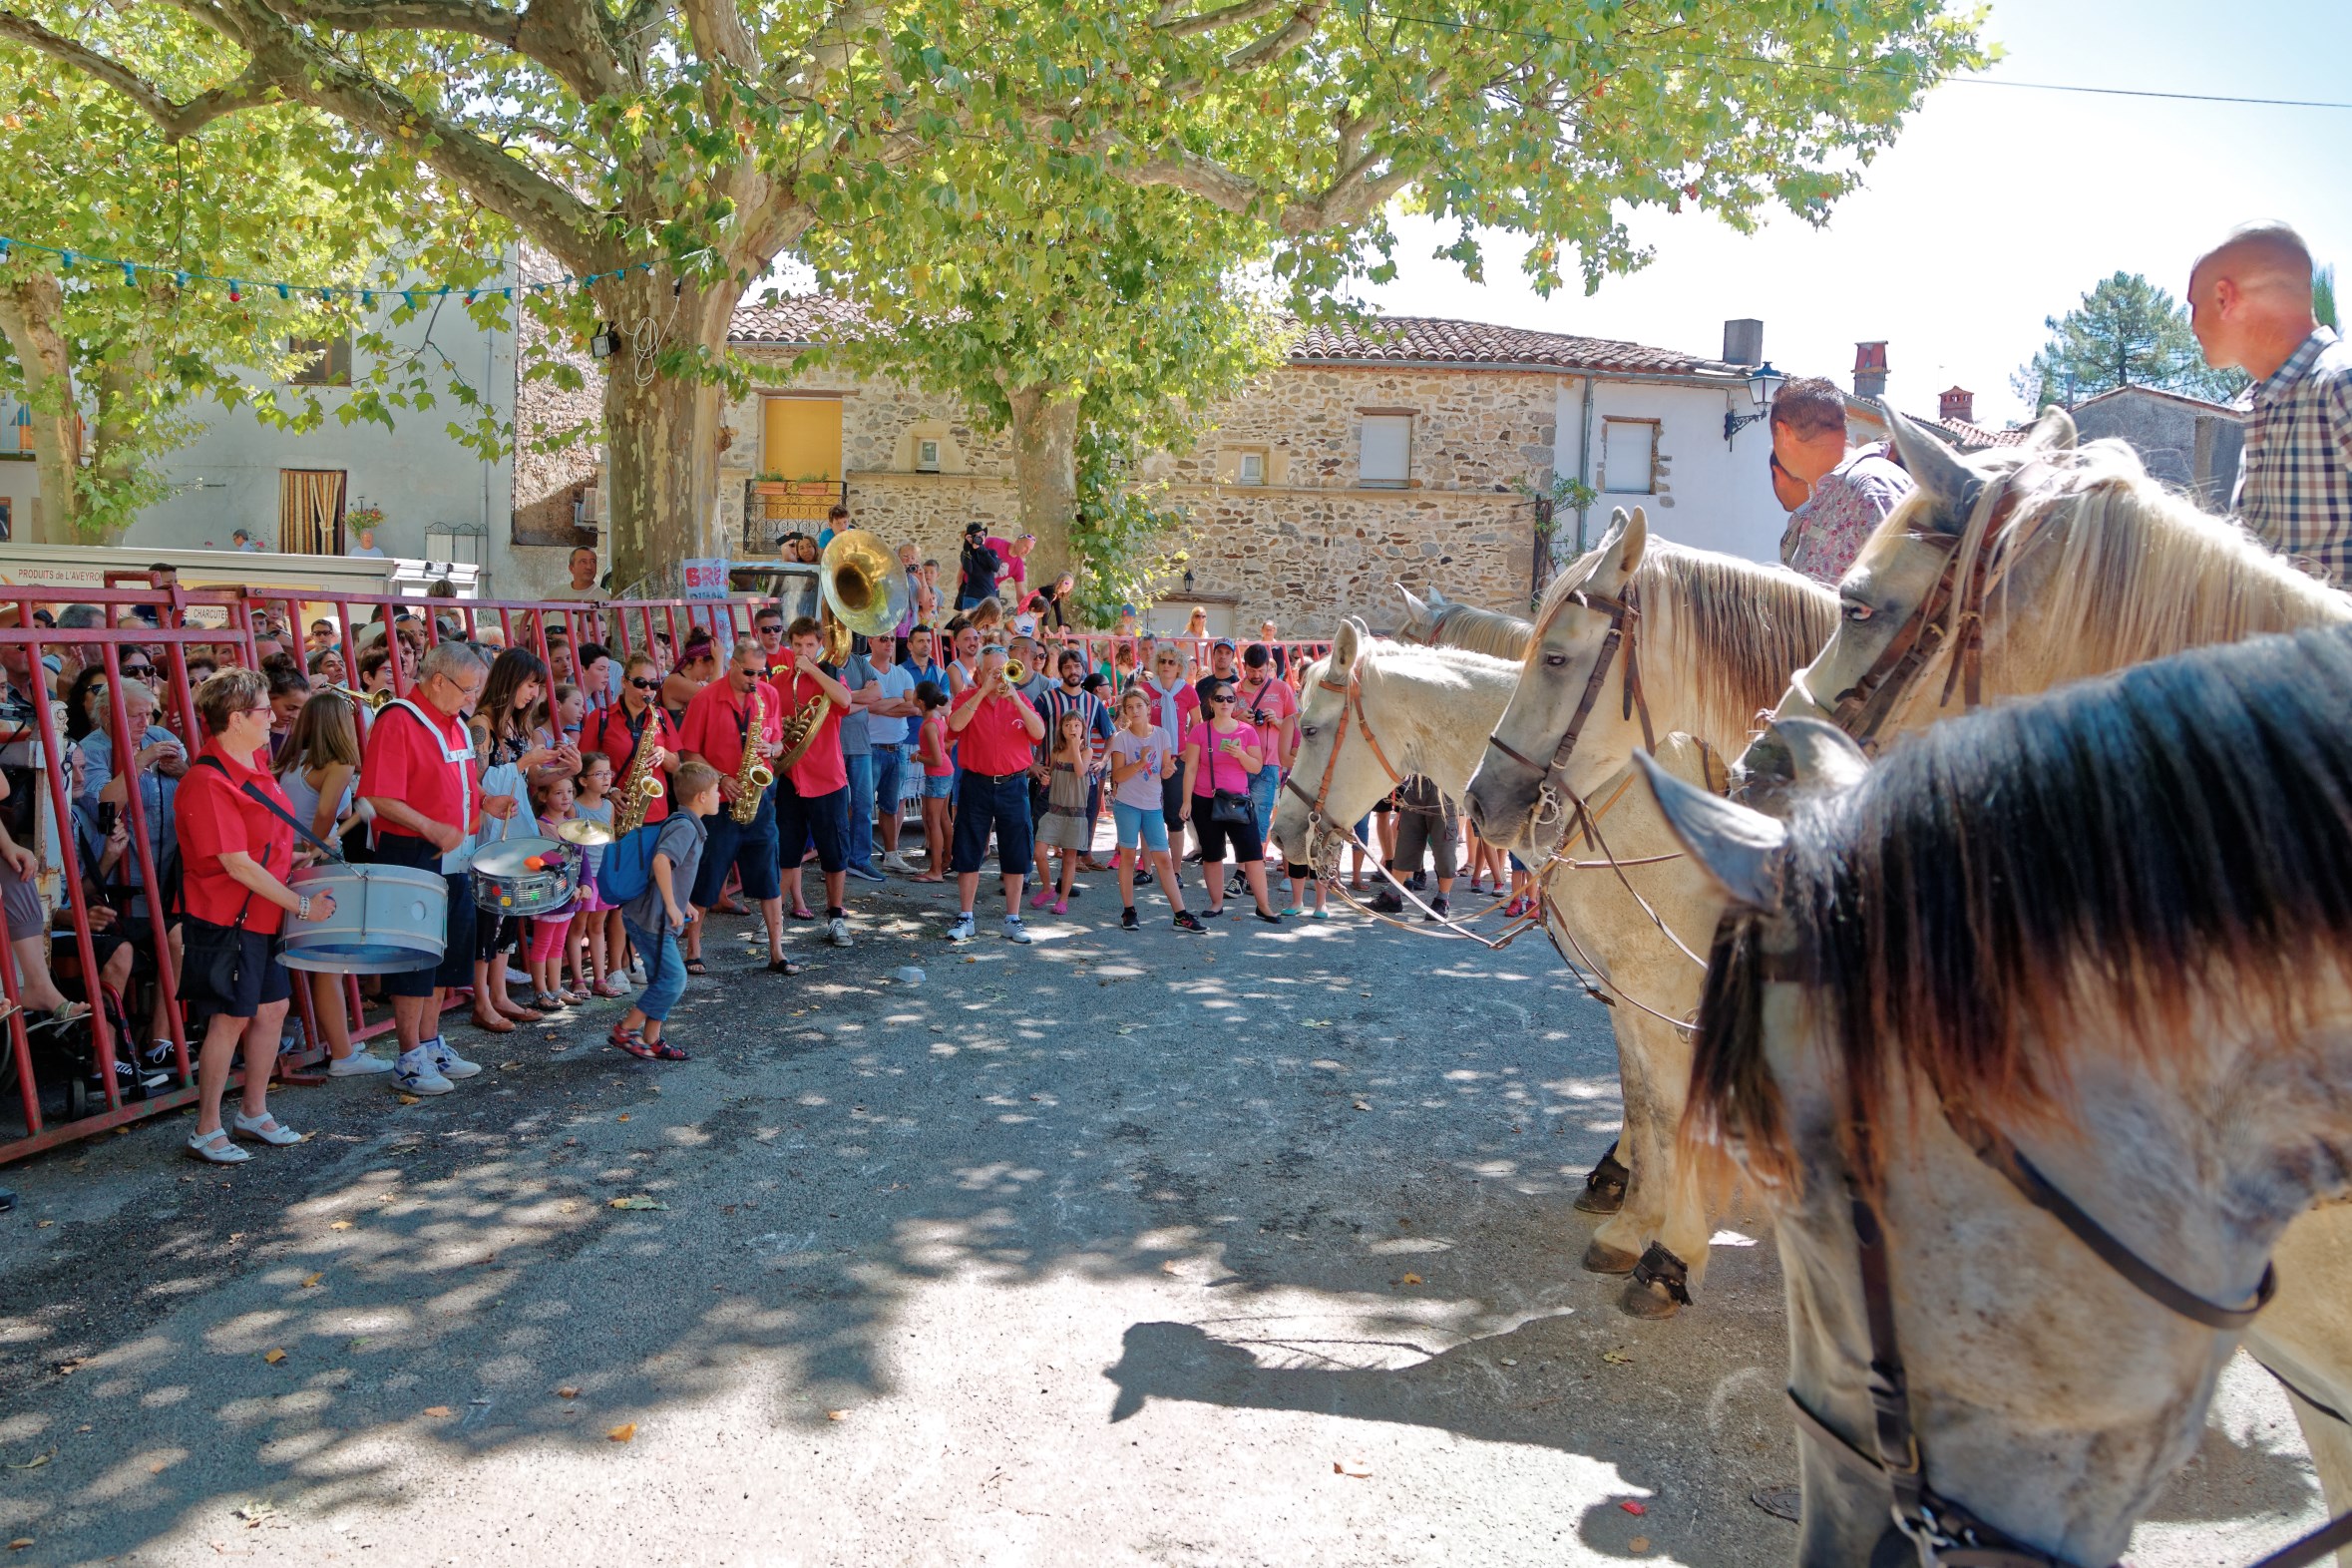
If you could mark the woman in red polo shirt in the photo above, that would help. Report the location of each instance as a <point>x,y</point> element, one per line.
<point>233,853</point>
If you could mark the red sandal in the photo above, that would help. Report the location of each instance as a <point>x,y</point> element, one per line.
<point>632,1041</point>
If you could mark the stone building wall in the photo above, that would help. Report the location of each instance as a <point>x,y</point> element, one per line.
<point>1308,545</point>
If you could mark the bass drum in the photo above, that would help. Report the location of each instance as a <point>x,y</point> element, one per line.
<point>526,877</point>
<point>387,919</point>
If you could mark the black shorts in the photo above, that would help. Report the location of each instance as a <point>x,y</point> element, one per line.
<point>749,848</point>
<point>805,819</point>
<point>456,965</point>
<point>1244,841</point>
<point>227,970</point>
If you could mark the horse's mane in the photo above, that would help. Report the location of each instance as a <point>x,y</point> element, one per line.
<point>1739,628</point>
<point>2141,572</point>
<point>1487,631</point>
<point>2089,863</point>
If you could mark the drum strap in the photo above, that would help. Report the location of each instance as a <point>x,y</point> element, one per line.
<point>449,754</point>
<point>265,803</point>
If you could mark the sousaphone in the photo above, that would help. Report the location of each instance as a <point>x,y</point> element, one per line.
<point>862,585</point>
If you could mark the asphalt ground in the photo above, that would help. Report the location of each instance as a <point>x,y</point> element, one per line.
<point>1124,1248</point>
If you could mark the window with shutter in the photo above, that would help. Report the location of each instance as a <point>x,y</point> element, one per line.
<point>1629,457</point>
<point>1387,457</point>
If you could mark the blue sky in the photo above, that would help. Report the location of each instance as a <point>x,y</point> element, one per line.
<point>1995,208</point>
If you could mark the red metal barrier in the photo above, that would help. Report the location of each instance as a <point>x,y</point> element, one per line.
<point>222,620</point>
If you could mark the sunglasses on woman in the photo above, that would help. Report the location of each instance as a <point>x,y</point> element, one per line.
<point>642,684</point>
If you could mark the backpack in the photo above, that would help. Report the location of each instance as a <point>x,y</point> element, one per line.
<point>628,868</point>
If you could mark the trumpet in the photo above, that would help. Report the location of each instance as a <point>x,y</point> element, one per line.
<point>1016,672</point>
<point>373,702</point>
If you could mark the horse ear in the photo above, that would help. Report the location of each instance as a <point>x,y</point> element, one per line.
<point>1437,600</point>
<point>1737,846</point>
<point>1347,642</point>
<point>1416,614</point>
<point>1937,470</point>
<point>1820,756</point>
<point>1620,551</point>
<point>2053,432</point>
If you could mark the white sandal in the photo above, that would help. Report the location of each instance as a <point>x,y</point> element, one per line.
<point>266,1128</point>
<point>216,1148</point>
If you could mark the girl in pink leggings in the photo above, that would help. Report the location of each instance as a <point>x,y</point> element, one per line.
<point>552,799</point>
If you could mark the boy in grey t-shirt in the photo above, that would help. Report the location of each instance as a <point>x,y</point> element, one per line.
<point>654,917</point>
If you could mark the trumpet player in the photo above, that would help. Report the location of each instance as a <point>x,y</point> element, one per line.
<point>813,795</point>
<point>736,713</point>
<point>996,731</point>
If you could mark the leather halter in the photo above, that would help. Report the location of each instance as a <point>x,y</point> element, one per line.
<point>1625,615</point>
<point>1350,708</point>
<point>1951,612</point>
<point>1945,1532</point>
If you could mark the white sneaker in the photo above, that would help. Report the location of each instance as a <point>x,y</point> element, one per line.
<point>359,1064</point>
<point>516,976</point>
<point>415,1073</point>
<point>896,862</point>
<point>963,931</point>
<point>452,1064</point>
<point>837,931</point>
<point>1014,931</point>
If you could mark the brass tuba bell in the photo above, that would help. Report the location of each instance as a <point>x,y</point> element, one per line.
<point>860,583</point>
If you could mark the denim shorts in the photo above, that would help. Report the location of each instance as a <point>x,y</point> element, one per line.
<point>939,786</point>
<point>1140,825</point>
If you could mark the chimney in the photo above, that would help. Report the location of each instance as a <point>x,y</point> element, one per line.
<point>1957,403</point>
<point>1744,342</point>
<point>1870,370</point>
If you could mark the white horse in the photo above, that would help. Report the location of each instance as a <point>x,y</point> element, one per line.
<point>2040,1031</point>
<point>2087,567</point>
<point>1429,712</point>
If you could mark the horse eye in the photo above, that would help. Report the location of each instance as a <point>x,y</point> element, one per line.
<point>1555,660</point>
<point>1856,612</point>
<point>1307,730</point>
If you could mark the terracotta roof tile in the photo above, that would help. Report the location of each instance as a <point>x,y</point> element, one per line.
<point>807,318</point>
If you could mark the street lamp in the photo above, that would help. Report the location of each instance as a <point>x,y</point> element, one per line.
<point>1763,382</point>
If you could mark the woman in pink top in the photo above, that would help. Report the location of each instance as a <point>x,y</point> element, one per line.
<point>1221,755</point>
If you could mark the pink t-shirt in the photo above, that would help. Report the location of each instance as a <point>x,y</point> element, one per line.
<point>1275,700</point>
<point>1017,570</point>
<point>1219,769</point>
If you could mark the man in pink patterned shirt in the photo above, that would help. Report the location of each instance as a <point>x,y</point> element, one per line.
<point>1851,493</point>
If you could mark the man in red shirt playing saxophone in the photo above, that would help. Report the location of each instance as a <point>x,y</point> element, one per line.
<point>418,777</point>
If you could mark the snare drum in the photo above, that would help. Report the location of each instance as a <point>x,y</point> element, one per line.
<point>527,876</point>
<point>387,919</point>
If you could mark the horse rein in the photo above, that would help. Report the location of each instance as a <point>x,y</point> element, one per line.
<point>1945,1532</point>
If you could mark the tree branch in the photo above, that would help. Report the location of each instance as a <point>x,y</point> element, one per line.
<point>719,36</point>
<point>569,39</point>
<point>1175,23</point>
<point>250,87</point>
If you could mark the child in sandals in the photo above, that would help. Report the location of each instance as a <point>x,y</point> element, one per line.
<point>656,916</point>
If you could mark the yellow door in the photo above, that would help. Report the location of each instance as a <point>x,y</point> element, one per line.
<point>802,439</point>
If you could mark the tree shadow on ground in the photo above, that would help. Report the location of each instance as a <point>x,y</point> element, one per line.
<point>1354,1160</point>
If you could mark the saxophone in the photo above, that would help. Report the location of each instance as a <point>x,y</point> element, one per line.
<point>752,775</point>
<point>639,787</point>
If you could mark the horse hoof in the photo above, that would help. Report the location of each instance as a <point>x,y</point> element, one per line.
<point>1600,1200</point>
<point>1601,1258</point>
<point>1647,1301</point>
<point>1604,1185</point>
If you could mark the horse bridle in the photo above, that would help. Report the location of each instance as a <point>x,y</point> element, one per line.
<point>1945,1532</point>
<point>1625,617</point>
<point>1351,708</point>
<point>1952,613</point>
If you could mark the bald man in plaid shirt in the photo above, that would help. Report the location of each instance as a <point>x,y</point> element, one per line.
<point>2249,302</point>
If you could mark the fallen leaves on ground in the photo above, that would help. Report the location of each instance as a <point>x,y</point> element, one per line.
<point>508,1066</point>
<point>1362,1105</point>
<point>1640,1543</point>
<point>641,1201</point>
<point>19,1543</point>
<point>313,1282</point>
<point>340,1225</point>
<point>36,1461</point>
<point>623,1433</point>
<point>1634,1508</point>
<point>159,1467</point>
<point>437,1409</point>
<point>1616,1358</point>
<point>1410,1279</point>
<point>1315,1023</point>
<point>567,1392</point>
<point>273,1356</point>
<point>623,1116</point>
<point>837,1415</point>
<point>1360,1468</point>
<point>410,1099</point>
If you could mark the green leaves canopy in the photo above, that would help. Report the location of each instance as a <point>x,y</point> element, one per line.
<point>2126,332</point>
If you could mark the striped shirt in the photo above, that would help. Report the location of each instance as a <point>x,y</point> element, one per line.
<point>2294,479</point>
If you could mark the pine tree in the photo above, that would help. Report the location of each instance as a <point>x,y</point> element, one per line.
<point>2126,332</point>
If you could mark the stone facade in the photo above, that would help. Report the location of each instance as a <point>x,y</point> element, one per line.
<point>1306,539</point>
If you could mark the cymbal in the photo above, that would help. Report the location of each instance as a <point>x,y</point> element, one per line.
<point>584,832</point>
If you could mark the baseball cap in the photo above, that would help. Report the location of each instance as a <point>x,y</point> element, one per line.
<point>1224,642</point>
<point>1127,610</point>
